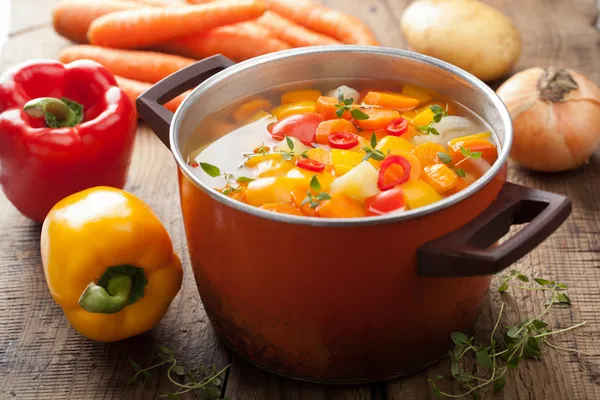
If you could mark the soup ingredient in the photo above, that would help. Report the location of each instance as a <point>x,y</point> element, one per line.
<point>300,107</point>
<point>436,113</point>
<point>300,95</point>
<point>417,193</point>
<point>345,105</point>
<point>394,171</point>
<point>469,34</point>
<point>310,164</point>
<point>346,92</point>
<point>385,202</point>
<point>345,28</point>
<point>344,160</point>
<point>519,342</point>
<point>130,289</point>
<point>56,119</point>
<point>427,153</point>
<point>282,208</point>
<point>440,177</point>
<point>145,66</point>
<point>358,183</point>
<point>342,140</point>
<point>271,190</point>
<point>72,18</point>
<point>397,127</point>
<point>474,148</point>
<point>421,94</point>
<point>340,206</point>
<point>134,89</point>
<point>237,42</point>
<point>313,200</point>
<point>292,33</point>
<point>147,27</point>
<point>376,118</point>
<point>302,127</point>
<point>325,128</point>
<point>391,100</point>
<point>209,383</point>
<point>394,144</point>
<point>555,114</point>
<point>244,112</point>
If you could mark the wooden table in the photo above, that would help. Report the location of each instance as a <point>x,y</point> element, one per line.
<point>42,357</point>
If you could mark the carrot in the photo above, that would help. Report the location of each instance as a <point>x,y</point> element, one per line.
<point>326,106</point>
<point>145,66</point>
<point>340,26</point>
<point>238,42</point>
<point>379,118</point>
<point>134,89</point>
<point>391,100</point>
<point>198,1</point>
<point>146,27</point>
<point>159,3</point>
<point>325,128</point>
<point>292,33</point>
<point>72,18</point>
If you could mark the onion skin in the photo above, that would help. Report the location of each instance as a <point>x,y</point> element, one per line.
<point>554,130</point>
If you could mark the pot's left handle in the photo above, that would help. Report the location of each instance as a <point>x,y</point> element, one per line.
<point>149,104</point>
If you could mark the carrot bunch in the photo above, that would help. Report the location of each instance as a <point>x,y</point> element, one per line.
<point>144,41</point>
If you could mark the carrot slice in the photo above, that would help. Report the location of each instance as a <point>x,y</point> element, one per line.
<point>391,100</point>
<point>154,26</point>
<point>72,18</point>
<point>237,42</point>
<point>333,125</point>
<point>326,106</point>
<point>486,148</point>
<point>336,24</point>
<point>379,118</point>
<point>292,33</point>
<point>340,206</point>
<point>146,66</point>
<point>134,89</point>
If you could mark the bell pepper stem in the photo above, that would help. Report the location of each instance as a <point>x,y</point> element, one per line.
<point>109,300</point>
<point>58,113</point>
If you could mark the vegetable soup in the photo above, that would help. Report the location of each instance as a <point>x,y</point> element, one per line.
<point>343,149</point>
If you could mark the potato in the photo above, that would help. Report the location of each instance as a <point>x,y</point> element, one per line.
<point>467,33</point>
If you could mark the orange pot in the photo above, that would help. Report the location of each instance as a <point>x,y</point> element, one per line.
<point>334,300</point>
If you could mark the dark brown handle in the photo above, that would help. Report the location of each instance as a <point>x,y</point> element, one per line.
<point>149,104</point>
<point>468,251</point>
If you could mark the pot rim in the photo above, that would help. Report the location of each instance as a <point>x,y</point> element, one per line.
<point>342,222</point>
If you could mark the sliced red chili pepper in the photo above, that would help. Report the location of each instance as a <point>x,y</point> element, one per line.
<point>342,140</point>
<point>394,170</point>
<point>397,127</point>
<point>310,164</point>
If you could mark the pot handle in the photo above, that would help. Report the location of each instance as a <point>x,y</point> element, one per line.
<point>149,104</point>
<point>469,251</point>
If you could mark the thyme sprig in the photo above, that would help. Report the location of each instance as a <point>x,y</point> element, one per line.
<point>314,200</point>
<point>185,380</point>
<point>232,184</point>
<point>345,105</point>
<point>372,152</point>
<point>447,159</point>
<point>521,341</point>
<point>286,155</point>
<point>438,114</point>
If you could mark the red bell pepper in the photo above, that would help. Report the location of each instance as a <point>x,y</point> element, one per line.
<point>63,129</point>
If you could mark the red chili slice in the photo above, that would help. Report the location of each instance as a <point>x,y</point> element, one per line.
<point>310,164</point>
<point>394,170</point>
<point>342,140</point>
<point>397,127</point>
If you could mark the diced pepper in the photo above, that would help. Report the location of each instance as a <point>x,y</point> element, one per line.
<point>320,154</point>
<point>257,116</point>
<point>300,95</point>
<point>418,193</point>
<point>333,125</point>
<point>424,118</point>
<point>272,190</point>
<point>325,178</point>
<point>458,140</point>
<point>345,160</point>
<point>485,147</point>
<point>340,206</point>
<point>393,143</point>
<point>282,208</point>
<point>285,110</point>
<point>246,110</point>
<point>326,106</point>
<point>422,94</point>
<point>391,100</point>
<point>273,168</point>
<point>255,160</point>
<point>359,183</point>
<point>427,153</point>
<point>379,118</point>
<point>440,177</point>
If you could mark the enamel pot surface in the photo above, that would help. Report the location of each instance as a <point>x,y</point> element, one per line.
<point>345,300</point>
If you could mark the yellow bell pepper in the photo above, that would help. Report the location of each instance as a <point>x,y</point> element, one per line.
<point>109,263</point>
<point>424,118</point>
<point>273,168</point>
<point>272,190</point>
<point>417,194</point>
<point>245,111</point>
<point>422,94</point>
<point>440,177</point>
<point>300,95</point>
<point>462,139</point>
<point>325,178</point>
<point>300,107</point>
<point>393,144</point>
<point>344,160</point>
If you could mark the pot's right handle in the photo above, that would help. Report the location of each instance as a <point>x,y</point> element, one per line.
<point>470,250</point>
<point>149,104</point>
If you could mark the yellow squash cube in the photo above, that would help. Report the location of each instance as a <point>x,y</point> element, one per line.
<point>417,194</point>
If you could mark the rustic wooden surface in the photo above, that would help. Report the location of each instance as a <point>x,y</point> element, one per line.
<point>41,357</point>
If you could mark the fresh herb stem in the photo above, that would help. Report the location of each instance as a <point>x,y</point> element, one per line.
<point>438,114</point>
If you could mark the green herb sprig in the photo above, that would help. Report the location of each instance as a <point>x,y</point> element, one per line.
<point>438,114</point>
<point>231,182</point>
<point>521,341</point>
<point>344,105</point>
<point>446,159</point>
<point>468,153</point>
<point>286,155</point>
<point>184,379</point>
<point>372,152</point>
<point>314,200</point>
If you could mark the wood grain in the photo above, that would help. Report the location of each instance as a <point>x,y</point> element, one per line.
<point>41,357</point>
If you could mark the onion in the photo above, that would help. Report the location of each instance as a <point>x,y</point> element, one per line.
<point>347,91</point>
<point>449,127</point>
<point>556,118</point>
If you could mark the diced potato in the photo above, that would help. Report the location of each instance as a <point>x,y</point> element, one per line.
<point>272,190</point>
<point>344,160</point>
<point>348,93</point>
<point>421,94</point>
<point>417,194</point>
<point>359,183</point>
<point>299,147</point>
<point>393,144</point>
<point>300,95</point>
<point>273,168</point>
<point>325,178</point>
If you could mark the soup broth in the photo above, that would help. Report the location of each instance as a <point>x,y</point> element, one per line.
<point>342,148</point>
